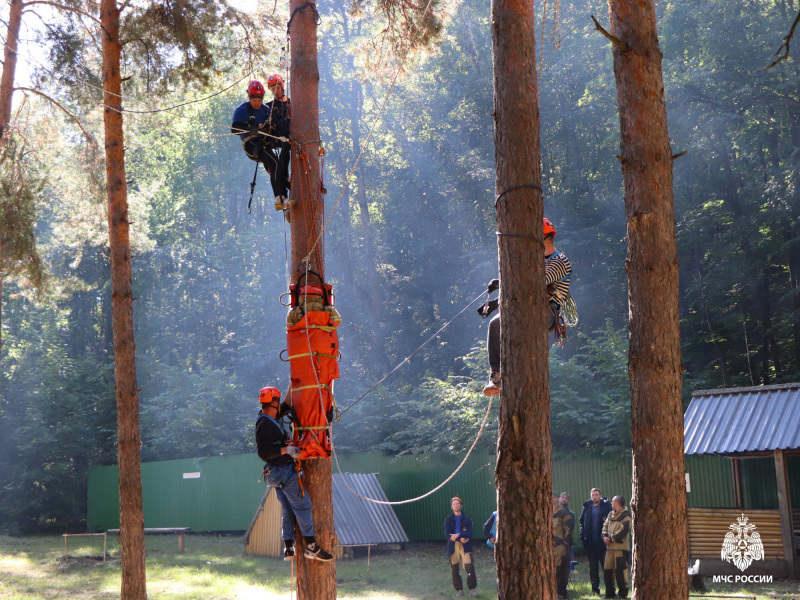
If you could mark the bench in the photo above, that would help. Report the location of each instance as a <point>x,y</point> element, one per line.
<point>179,530</point>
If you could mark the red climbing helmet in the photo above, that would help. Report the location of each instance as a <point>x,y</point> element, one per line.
<point>274,79</point>
<point>255,90</point>
<point>548,228</point>
<point>269,394</point>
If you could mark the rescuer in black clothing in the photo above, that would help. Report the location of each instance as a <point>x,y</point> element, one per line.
<point>274,445</point>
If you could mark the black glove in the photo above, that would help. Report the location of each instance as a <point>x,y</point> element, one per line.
<point>494,285</point>
<point>488,308</point>
<point>253,126</point>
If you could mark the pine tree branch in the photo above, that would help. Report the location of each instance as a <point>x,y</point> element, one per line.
<point>89,137</point>
<point>616,41</point>
<point>783,52</point>
<point>62,7</point>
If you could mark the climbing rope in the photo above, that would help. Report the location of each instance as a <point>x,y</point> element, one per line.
<point>426,494</point>
<point>120,110</point>
<point>556,40</point>
<point>410,356</point>
<point>369,137</point>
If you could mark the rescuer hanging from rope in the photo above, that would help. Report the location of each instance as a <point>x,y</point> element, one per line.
<point>557,270</point>
<point>274,444</point>
<point>259,126</point>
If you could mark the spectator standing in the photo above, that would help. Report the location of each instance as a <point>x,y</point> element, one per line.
<point>593,516</point>
<point>616,531</point>
<point>458,532</point>
<point>490,530</point>
<point>563,524</point>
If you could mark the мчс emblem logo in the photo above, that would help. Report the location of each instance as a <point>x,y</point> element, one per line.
<point>742,545</point>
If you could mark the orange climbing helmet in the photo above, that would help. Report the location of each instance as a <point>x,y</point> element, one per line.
<point>268,395</point>
<point>548,228</point>
<point>255,90</point>
<point>274,79</point>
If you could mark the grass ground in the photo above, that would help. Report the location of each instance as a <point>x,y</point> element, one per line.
<point>216,568</point>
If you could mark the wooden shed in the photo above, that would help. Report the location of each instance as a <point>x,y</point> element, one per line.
<point>358,522</point>
<point>747,423</point>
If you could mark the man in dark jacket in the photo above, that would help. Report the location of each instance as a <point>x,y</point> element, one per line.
<point>259,126</point>
<point>274,445</point>
<point>593,515</point>
<point>458,532</point>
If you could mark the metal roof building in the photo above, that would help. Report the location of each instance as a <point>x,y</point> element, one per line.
<point>743,420</point>
<point>747,423</point>
<point>358,522</point>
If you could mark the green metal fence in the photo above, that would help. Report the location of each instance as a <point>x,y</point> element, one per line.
<point>222,493</point>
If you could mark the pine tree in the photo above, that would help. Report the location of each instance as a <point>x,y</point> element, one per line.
<point>654,362</point>
<point>525,562</point>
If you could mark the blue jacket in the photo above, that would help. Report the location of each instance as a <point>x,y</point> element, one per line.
<point>450,529</point>
<point>490,529</point>
<point>241,118</point>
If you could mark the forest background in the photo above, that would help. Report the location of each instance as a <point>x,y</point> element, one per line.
<point>410,243</point>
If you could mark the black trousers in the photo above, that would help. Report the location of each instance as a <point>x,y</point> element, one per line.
<point>458,583</point>
<point>596,553</point>
<point>493,339</point>
<point>275,161</point>
<point>562,576</point>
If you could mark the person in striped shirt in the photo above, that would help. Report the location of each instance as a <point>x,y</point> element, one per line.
<point>557,269</point>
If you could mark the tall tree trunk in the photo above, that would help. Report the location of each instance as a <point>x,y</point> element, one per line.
<point>9,64</point>
<point>770,348</point>
<point>6,93</point>
<point>129,443</point>
<point>794,282</point>
<point>315,580</point>
<point>525,561</point>
<point>659,496</point>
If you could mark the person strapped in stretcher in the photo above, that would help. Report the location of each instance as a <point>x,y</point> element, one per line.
<point>274,444</point>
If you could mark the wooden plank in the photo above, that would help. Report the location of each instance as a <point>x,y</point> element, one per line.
<point>738,492</point>
<point>785,508</point>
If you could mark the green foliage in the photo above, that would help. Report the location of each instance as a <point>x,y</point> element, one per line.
<point>208,414</point>
<point>443,415</point>
<point>590,402</point>
<point>207,275</point>
<point>20,189</point>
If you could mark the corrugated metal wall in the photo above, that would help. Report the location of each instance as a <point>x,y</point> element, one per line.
<point>227,493</point>
<point>220,494</point>
<point>759,482</point>
<point>711,482</point>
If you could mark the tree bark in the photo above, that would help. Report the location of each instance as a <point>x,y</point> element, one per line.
<point>525,562</point>
<point>315,580</point>
<point>129,442</point>
<point>6,93</point>
<point>9,64</point>
<point>659,496</point>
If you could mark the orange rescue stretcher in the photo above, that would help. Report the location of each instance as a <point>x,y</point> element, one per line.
<point>313,354</point>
